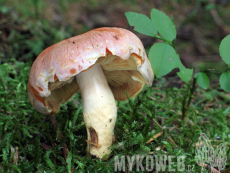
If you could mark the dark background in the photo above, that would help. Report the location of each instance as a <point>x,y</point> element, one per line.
<point>28,27</point>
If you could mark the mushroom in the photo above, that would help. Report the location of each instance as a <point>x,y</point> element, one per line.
<point>102,63</point>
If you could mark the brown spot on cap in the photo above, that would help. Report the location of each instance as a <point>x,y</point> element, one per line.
<point>39,98</point>
<point>80,67</point>
<point>108,52</point>
<point>40,88</point>
<point>116,37</point>
<point>36,94</point>
<point>55,77</point>
<point>73,71</point>
<point>34,91</point>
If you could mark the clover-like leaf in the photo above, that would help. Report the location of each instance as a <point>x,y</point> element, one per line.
<point>165,25</point>
<point>225,81</point>
<point>141,23</point>
<point>202,80</point>
<point>225,50</point>
<point>185,74</point>
<point>163,58</point>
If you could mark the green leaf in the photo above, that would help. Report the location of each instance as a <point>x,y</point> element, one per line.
<point>127,116</point>
<point>168,146</point>
<point>48,161</point>
<point>141,23</point>
<point>5,154</point>
<point>163,58</point>
<point>25,131</point>
<point>225,50</point>
<point>79,163</point>
<point>185,74</point>
<point>16,168</point>
<point>68,161</point>
<point>179,64</point>
<point>202,80</point>
<point>165,25</point>
<point>225,81</point>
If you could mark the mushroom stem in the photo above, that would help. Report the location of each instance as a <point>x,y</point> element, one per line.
<point>99,109</point>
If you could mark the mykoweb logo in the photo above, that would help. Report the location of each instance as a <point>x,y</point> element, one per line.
<point>159,163</point>
<point>204,155</point>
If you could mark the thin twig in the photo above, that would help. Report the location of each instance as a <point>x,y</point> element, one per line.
<point>65,151</point>
<point>16,156</point>
<point>46,147</point>
<point>154,137</point>
<point>170,139</point>
<point>96,145</point>
<point>157,124</point>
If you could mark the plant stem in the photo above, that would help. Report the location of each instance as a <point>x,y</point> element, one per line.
<point>183,109</point>
<point>192,91</point>
<point>166,41</point>
<point>184,106</point>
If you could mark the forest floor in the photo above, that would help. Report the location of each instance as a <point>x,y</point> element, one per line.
<point>27,140</point>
